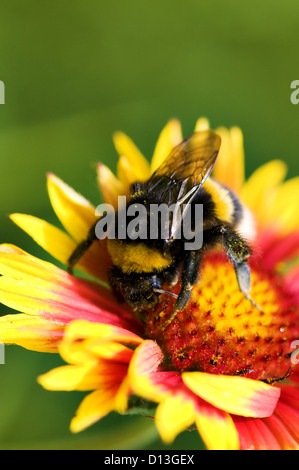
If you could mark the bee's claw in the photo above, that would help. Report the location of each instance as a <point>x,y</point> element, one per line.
<point>248,297</point>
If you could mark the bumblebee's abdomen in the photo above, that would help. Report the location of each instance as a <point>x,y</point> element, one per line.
<point>137,257</point>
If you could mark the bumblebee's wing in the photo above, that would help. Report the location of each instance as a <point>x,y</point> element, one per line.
<point>182,174</point>
<point>193,158</point>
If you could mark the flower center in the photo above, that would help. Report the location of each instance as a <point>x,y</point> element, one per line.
<point>222,332</point>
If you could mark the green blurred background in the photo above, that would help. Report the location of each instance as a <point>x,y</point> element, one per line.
<point>76,71</point>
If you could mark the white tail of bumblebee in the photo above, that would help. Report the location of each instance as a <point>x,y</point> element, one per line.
<point>246,227</point>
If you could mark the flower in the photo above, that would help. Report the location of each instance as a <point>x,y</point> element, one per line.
<point>221,364</point>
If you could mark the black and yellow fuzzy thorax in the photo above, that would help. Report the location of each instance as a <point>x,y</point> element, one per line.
<point>146,255</point>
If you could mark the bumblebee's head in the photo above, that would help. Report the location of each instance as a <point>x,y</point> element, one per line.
<point>137,289</point>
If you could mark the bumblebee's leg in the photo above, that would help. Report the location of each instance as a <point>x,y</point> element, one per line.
<point>189,278</point>
<point>243,277</point>
<point>239,253</point>
<point>114,277</point>
<point>172,275</point>
<point>82,248</point>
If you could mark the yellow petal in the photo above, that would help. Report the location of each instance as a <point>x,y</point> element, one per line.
<point>83,341</point>
<point>28,283</point>
<point>31,332</point>
<point>39,287</point>
<point>94,407</point>
<point>229,167</point>
<point>284,210</point>
<point>125,147</point>
<point>100,333</point>
<point>15,263</point>
<point>76,214</point>
<point>121,397</point>
<point>217,429</point>
<point>202,124</point>
<point>20,295</point>
<point>90,375</point>
<point>65,377</point>
<point>260,190</point>
<point>59,244</point>
<point>128,173</point>
<point>52,239</point>
<point>237,395</point>
<point>173,416</point>
<point>170,136</point>
<point>110,186</point>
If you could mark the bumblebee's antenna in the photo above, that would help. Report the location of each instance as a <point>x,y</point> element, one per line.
<point>162,291</point>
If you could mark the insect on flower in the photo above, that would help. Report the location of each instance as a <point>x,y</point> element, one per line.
<point>221,365</point>
<point>143,268</point>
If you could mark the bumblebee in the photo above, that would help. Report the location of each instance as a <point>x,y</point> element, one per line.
<point>144,268</point>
